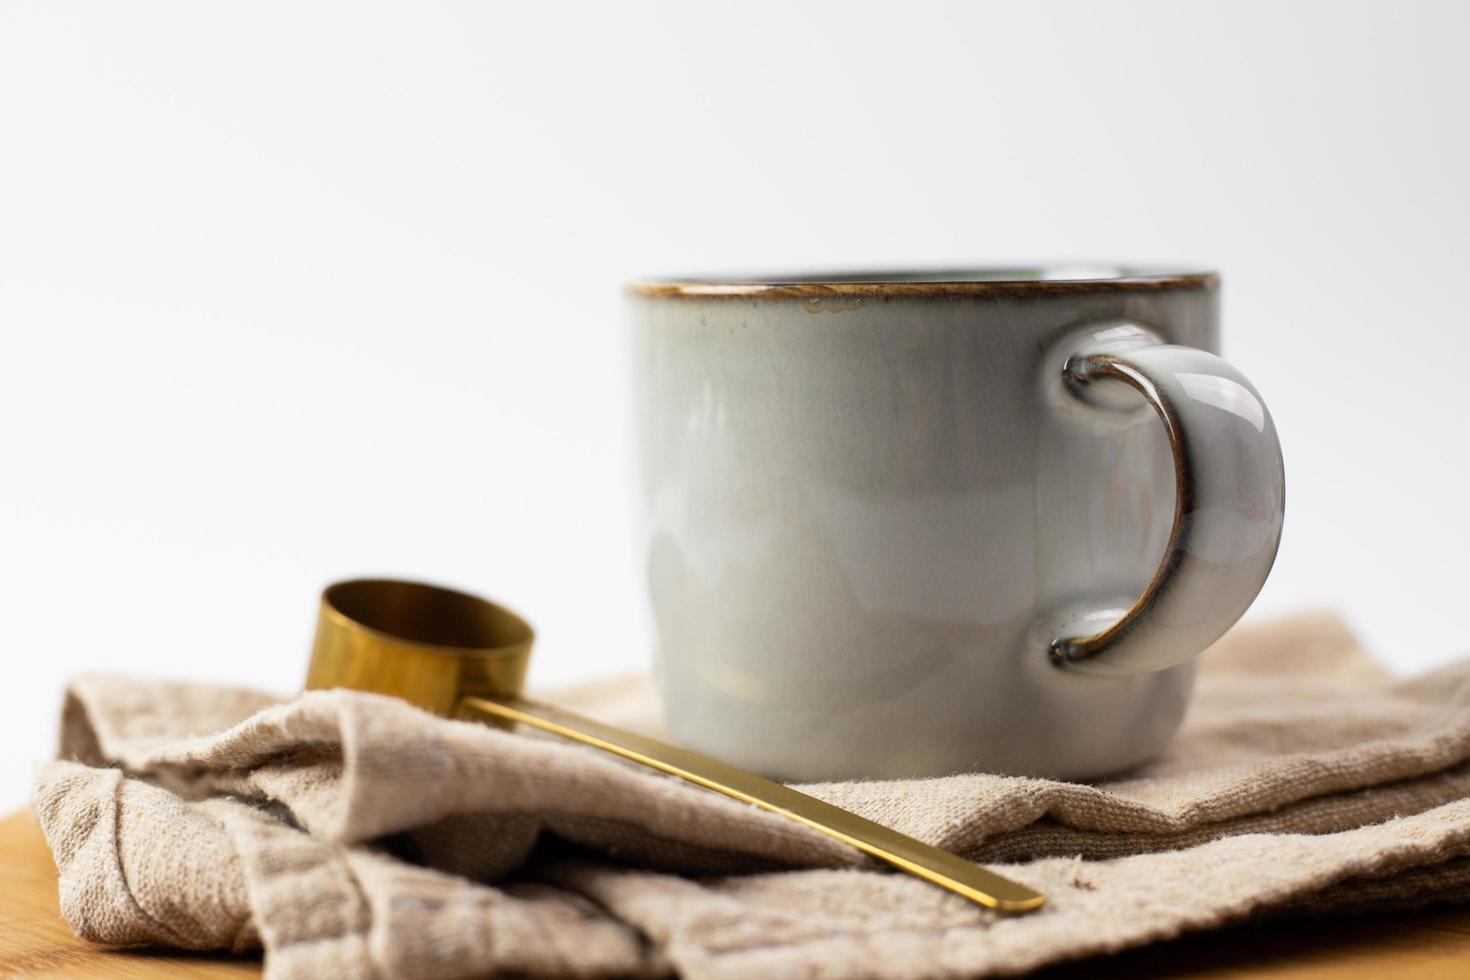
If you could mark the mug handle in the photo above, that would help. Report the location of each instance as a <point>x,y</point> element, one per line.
<point>1230,493</point>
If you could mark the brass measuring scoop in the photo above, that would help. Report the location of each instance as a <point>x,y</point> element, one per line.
<point>460,656</point>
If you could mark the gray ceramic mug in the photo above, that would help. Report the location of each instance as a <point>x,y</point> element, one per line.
<point>909,525</point>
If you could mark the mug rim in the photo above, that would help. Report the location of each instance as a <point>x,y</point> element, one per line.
<point>1070,277</point>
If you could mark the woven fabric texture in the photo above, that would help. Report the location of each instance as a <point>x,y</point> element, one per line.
<point>351,835</point>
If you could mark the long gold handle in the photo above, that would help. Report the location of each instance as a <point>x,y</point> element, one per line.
<point>930,863</point>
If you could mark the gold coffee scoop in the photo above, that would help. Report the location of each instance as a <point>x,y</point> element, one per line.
<point>460,656</point>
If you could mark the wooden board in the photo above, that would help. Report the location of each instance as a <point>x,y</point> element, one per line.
<point>35,942</point>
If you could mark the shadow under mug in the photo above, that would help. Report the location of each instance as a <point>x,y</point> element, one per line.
<point>911,525</point>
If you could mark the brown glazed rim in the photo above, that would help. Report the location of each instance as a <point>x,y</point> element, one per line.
<point>1032,281</point>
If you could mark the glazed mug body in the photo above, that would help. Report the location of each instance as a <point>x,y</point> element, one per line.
<point>872,504</point>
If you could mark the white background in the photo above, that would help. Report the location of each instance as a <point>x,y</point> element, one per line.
<point>292,292</point>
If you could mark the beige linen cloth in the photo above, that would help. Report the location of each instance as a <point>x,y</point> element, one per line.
<point>351,835</point>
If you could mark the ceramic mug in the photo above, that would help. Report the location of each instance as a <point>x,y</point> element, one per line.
<point>910,525</point>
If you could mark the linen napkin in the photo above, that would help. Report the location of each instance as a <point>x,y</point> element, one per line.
<point>352,835</point>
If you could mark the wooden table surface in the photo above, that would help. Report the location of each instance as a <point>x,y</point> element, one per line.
<point>35,942</point>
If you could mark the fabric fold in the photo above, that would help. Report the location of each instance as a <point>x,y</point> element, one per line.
<point>350,833</point>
